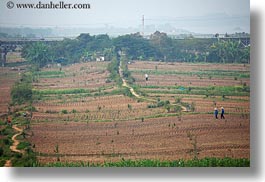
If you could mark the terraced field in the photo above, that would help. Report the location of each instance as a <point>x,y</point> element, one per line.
<point>87,117</point>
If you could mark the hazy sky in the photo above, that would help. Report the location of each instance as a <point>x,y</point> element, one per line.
<point>203,16</point>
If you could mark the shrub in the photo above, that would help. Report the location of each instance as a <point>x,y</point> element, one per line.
<point>160,103</point>
<point>23,145</point>
<point>31,108</point>
<point>177,108</point>
<point>64,111</point>
<point>21,92</point>
<point>50,111</point>
<point>151,106</point>
<point>1,151</point>
<point>163,103</point>
<point>178,99</point>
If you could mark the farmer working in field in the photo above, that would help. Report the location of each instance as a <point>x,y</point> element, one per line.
<point>216,113</point>
<point>146,77</point>
<point>222,113</point>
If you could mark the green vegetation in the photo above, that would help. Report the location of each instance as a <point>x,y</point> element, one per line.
<point>136,47</point>
<point>118,51</point>
<point>159,104</point>
<point>64,111</point>
<point>206,162</point>
<point>159,47</point>
<point>229,51</point>
<point>113,68</point>
<point>38,54</point>
<point>23,145</point>
<point>27,160</point>
<point>125,71</point>
<point>6,134</point>
<point>22,99</point>
<point>21,91</point>
<point>238,90</point>
<point>16,64</point>
<point>49,74</point>
<point>204,73</point>
<point>59,92</point>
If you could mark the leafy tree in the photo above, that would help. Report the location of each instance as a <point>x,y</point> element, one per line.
<point>160,46</point>
<point>228,51</point>
<point>113,68</point>
<point>38,54</point>
<point>135,47</point>
<point>21,92</point>
<point>164,44</point>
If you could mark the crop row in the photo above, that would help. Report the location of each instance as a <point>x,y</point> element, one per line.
<point>207,91</point>
<point>206,162</point>
<point>97,115</point>
<point>213,73</point>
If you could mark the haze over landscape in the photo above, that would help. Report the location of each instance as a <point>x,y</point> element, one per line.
<point>121,17</point>
<point>162,83</point>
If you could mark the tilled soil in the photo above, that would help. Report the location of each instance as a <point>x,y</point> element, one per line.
<point>159,138</point>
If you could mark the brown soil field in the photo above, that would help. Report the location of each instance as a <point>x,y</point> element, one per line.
<point>111,108</point>
<point>7,79</point>
<point>208,104</point>
<point>180,80</point>
<point>86,75</point>
<point>111,127</point>
<point>160,138</point>
<point>151,65</point>
<point>93,104</point>
<point>191,78</point>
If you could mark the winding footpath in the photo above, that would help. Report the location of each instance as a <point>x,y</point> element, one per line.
<point>124,84</point>
<point>14,145</point>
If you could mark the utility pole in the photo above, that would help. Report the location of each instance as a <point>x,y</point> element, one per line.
<point>143,25</point>
<point>3,54</point>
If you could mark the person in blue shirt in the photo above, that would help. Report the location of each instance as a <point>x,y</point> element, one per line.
<point>222,113</point>
<point>216,113</point>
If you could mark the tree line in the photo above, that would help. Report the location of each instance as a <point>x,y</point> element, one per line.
<point>158,47</point>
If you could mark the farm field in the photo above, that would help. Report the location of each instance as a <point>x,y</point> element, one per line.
<point>81,115</point>
<point>8,77</point>
<point>159,138</point>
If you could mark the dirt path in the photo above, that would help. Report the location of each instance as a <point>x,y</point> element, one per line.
<point>15,141</point>
<point>8,163</point>
<point>15,144</point>
<point>124,84</point>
